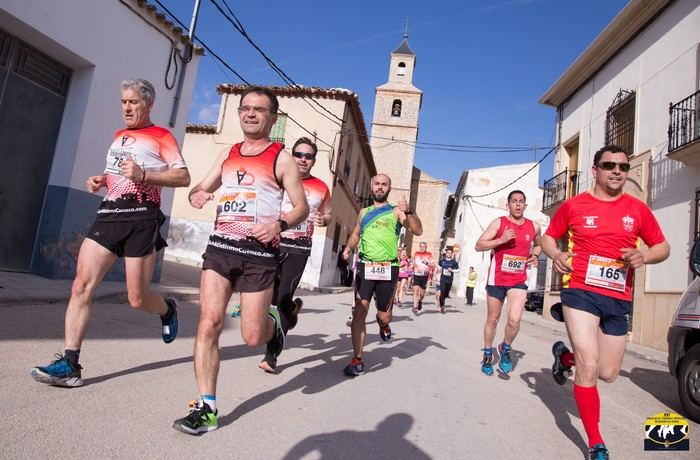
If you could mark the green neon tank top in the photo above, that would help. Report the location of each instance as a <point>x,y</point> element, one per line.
<point>379,235</point>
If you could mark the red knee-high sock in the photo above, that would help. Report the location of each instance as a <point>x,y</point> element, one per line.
<point>567,359</point>
<point>588,403</point>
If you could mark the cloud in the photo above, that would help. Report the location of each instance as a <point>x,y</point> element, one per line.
<point>208,114</point>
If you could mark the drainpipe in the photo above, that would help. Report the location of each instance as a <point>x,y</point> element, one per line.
<point>185,60</point>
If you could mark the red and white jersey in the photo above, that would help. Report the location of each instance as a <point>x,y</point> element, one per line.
<point>509,261</point>
<point>422,263</point>
<point>298,238</point>
<point>596,231</point>
<point>153,149</point>
<point>249,195</point>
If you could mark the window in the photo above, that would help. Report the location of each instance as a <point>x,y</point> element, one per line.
<point>697,215</point>
<point>402,69</point>
<point>277,131</point>
<point>396,108</point>
<point>619,121</point>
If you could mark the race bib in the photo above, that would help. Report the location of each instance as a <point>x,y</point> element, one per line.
<point>607,273</point>
<point>297,231</point>
<point>513,264</point>
<point>238,204</point>
<point>378,271</point>
<point>115,158</point>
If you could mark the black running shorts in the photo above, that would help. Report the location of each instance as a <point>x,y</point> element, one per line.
<point>383,291</point>
<point>134,238</point>
<point>244,276</point>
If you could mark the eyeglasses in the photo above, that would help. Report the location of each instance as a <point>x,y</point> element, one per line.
<point>610,165</point>
<point>308,156</point>
<point>248,108</point>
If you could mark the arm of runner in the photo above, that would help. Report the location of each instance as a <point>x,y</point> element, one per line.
<point>171,177</point>
<point>95,183</point>
<point>654,255</point>
<point>560,259</point>
<point>537,247</point>
<point>488,240</point>
<point>353,239</point>
<point>323,215</point>
<point>204,191</point>
<point>409,220</point>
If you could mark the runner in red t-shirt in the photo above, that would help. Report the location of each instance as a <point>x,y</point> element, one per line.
<point>423,265</point>
<point>514,244</point>
<point>603,227</point>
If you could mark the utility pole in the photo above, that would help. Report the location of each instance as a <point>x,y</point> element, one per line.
<point>185,60</point>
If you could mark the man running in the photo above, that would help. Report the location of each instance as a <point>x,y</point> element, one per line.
<point>243,251</point>
<point>377,232</point>
<point>423,265</point>
<point>142,159</point>
<point>448,267</point>
<point>603,225</point>
<point>510,239</point>
<point>295,243</point>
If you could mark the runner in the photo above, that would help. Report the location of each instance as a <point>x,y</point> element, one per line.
<point>404,275</point>
<point>448,267</point>
<point>142,159</point>
<point>423,264</point>
<point>510,239</point>
<point>295,243</point>
<point>604,225</point>
<point>377,231</point>
<point>243,251</point>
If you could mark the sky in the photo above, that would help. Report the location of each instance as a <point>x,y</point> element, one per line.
<point>482,64</point>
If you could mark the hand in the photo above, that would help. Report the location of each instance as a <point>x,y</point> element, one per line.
<point>318,219</point>
<point>199,198</point>
<point>131,170</point>
<point>95,183</point>
<point>532,260</point>
<point>265,232</point>
<point>633,256</point>
<point>345,255</point>
<point>403,204</point>
<point>508,235</point>
<point>561,262</point>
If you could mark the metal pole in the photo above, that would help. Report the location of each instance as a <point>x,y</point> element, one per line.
<point>186,59</point>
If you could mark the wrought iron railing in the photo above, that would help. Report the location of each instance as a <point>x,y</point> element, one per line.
<point>560,187</point>
<point>684,122</point>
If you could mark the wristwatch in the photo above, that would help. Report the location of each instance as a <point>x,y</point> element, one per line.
<point>408,212</point>
<point>283,224</point>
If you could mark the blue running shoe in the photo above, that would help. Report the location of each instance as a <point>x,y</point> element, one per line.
<point>487,362</point>
<point>60,373</point>
<point>236,311</point>
<point>504,362</point>
<point>169,321</point>
<point>598,452</point>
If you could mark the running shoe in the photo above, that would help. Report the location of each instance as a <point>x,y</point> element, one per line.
<point>487,362</point>
<point>269,362</point>
<point>384,331</point>
<point>420,305</point>
<point>60,373</point>
<point>598,452</point>
<point>348,323</point>
<point>504,362</point>
<point>355,368</point>
<point>294,314</point>
<point>169,321</point>
<point>559,371</point>
<point>236,311</point>
<point>200,419</point>
<point>276,343</point>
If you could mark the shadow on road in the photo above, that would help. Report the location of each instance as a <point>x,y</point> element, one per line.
<point>560,402</point>
<point>659,384</point>
<point>388,440</point>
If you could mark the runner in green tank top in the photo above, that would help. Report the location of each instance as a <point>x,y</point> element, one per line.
<point>377,231</point>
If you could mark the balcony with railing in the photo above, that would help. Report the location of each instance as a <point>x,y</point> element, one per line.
<point>559,188</point>
<point>684,130</point>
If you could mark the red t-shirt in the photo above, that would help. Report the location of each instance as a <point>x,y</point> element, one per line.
<point>509,261</point>
<point>596,231</point>
<point>422,263</point>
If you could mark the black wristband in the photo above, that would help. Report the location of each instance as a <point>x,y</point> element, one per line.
<point>283,224</point>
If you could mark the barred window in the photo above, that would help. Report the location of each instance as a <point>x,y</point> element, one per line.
<point>619,121</point>
<point>277,131</point>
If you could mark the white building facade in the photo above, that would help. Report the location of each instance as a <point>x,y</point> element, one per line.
<point>637,86</point>
<point>61,63</point>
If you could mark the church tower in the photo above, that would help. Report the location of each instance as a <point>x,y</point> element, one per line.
<point>395,122</point>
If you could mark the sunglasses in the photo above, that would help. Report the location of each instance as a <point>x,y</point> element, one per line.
<point>308,156</point>
<point>610,165</point>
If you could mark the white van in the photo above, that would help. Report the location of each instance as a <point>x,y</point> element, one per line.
<point>684,342</point>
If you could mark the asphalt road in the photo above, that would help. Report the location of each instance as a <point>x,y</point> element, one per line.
<point>422,395</point>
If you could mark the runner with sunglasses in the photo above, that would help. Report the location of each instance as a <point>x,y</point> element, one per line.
<point>604,226</point>
<point>295,243</point>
